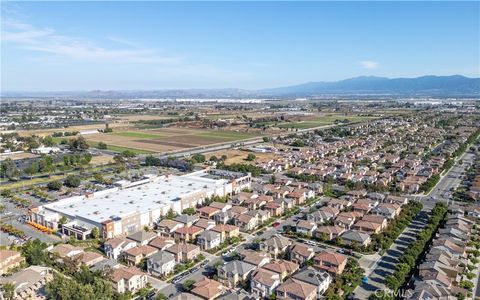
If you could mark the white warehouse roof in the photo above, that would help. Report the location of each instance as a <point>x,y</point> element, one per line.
<point>115,202</point>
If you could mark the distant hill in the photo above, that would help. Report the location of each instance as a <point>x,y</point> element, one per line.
<point>425,85</point>
<point>444,86</point>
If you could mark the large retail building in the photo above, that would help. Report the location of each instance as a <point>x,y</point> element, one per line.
<point>132,205</point>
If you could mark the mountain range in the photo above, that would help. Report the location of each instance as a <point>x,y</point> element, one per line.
<point>425,85</point>
<point>442,86</point>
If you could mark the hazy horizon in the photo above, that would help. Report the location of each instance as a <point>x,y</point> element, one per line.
<point>78,46</point>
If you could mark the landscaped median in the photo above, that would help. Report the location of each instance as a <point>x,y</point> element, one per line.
<point>410,258</point>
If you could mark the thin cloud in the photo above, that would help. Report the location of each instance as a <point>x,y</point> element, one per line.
<point>47,40</point>
<point>369,64</point>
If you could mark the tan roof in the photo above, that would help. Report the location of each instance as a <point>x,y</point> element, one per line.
<point>125,273</point>
<point>297,288</point>
<point>207,288</point>
<point>6,254</point>
<point>374,218</point>
<point>178,248</point>
<point>330,257</point>
<point>330,229</point>
<point>266,277</point>
<point>88,256</point>
<point>189,230</point>
<point>160,242</point>
<point>282,266</point>
<point>64,249</point>
<point>141,250</point>
<point>167,223</point>
<point>115,242</point>
<point>224,228</point>
<point>366,224</point>
<point>302,249</point>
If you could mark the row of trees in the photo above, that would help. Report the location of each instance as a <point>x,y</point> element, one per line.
<point>396,226</point>
<point>414,252</point>
<point>244,168</point>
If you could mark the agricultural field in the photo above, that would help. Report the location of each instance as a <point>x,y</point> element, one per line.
<point>163,139</point>
<point>312,122</point>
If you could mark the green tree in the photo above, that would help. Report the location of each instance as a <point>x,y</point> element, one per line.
<point>160,296</point>
<point>78,144</point>
<point>189,211</point>
<point>8,291</point>
<point>72,181</point>
<point>251,157</point>
<point>54,185</point>
<point>102,145</point>
<point>95,233</point>
<point>8,169</point>
<point>188,285</point>
<point>34,252</point>
<point>32,169</point>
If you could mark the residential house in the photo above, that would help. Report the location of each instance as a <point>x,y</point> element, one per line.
<point>329,232</point>
<point>226,231</point>
<point>295,289</point>
<point>345,219</point>
<point>10,259</point>
<point>187,220</point>
<point>29,283</point>
<point>114,247</point>
<point>257,258</point>
<point>208,240</point>
<point>333,263</point>
<point>208,289</point>
<point>305,227</point>
<point>320,216</point>
<point>300,253</point>
<point>89,258</point>
<point>128,279</point>
<point>161,263</point>
<point>207,212</point>
<point>320,279</point>
<point>234,272</point>
<point>275,245</point>
<point>142,237</point>
<point>376,219</point>
<point>134,256</point>
<point>66,251</point>
<point>166,227</point>
<point>388,210</point>
<point>353,237</point>
<point>205,224</point>
<point>184,252</point>
<point>282,267</point>
<point>264,282</point>
<point>275,208</point>
<point>367,227</point>
<point>161,242</point>
<point>246,222</point>
<point>187,234</point>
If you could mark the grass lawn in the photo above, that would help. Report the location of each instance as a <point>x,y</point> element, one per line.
<point>135,134</point>
<point>226,135</point>
<point>327,120</point>
<point>119,148</point>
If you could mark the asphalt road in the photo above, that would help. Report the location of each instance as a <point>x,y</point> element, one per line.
<point>386,264</point>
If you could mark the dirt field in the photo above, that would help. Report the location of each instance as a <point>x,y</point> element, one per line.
<point>166,139</point>
<point>239,156</point>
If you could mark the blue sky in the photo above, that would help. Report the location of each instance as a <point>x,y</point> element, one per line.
<point>157,45</point>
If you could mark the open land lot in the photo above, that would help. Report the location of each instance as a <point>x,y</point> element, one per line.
<point>316,121</point>
<point>164,139</point>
